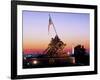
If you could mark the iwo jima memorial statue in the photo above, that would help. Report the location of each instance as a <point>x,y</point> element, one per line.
<point>55,50</point>
<point>53,55</point>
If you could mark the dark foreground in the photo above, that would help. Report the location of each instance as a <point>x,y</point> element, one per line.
<point>50,62</point>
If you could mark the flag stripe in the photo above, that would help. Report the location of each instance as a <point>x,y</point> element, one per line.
<point>50,23</point>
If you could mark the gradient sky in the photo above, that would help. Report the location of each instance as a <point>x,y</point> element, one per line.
<point>72,29</point>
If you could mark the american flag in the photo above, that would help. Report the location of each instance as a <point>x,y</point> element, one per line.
<point>50,23</point>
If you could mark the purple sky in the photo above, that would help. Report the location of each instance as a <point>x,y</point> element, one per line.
<point>72,28</point>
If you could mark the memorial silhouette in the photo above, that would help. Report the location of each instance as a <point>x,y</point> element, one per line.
<point>55,55</point>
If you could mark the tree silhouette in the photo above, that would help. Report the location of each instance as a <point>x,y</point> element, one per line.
<point>81,56</point>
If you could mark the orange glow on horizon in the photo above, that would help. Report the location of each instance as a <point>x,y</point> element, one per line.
<point>38,46</point>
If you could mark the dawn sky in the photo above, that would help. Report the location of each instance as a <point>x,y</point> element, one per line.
<point>72,29</point>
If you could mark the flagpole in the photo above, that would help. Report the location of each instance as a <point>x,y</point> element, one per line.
<point>53,25</point>
<point>54,29</point>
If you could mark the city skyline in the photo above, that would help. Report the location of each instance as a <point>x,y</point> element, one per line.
<point>72,29</point>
